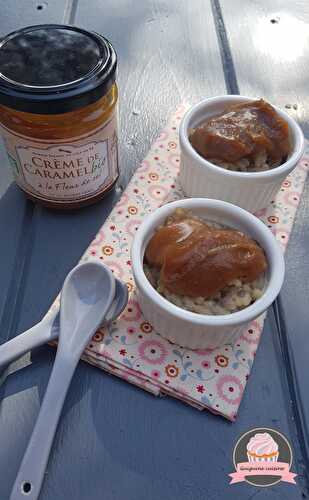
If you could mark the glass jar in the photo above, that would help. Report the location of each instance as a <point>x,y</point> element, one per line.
<point>58,113</point>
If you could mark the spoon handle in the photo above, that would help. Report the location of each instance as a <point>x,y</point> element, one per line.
<point>31,472</point>
<point>38,335</point>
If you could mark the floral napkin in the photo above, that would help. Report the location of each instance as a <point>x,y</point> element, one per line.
<point>129,347</point>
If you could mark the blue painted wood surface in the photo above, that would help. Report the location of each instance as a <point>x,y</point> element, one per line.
<point>115,441</point>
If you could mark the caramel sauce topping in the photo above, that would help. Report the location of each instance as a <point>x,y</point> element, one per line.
<point>198,260</point>
<point>242,131</point>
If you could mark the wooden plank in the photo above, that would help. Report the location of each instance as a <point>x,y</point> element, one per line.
<point>269,43</point>
<point>274,65</point>
<point>15,212</point>
<point>15,15</point>
<point>167,52</point>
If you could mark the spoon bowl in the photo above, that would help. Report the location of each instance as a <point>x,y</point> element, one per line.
<point>87,295</point>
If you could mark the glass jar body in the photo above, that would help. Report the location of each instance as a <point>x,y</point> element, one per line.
<point>65,160</point>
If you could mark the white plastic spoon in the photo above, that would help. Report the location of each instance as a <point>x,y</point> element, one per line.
<point>86,297</point>
<point>47,329</point>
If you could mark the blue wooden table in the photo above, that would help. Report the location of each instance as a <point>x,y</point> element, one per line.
<point>114,441</point>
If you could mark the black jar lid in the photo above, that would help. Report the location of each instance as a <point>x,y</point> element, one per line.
<point>54,68</point>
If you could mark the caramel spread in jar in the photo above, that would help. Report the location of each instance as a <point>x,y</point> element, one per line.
<point>196,259</point>
<point>58,113</point>
<point>244,131</point>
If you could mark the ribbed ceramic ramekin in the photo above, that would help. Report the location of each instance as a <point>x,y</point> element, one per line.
<point>249,190</point>
<point>199,331</point>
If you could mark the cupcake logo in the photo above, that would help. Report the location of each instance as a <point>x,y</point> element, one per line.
<point>262,448</point>
<point>262,457</point>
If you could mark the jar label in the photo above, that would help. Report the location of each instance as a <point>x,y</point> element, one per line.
<point>65,171</point>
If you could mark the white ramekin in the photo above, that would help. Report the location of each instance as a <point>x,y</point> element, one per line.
<point>199,331</point>
<point>200,178</point>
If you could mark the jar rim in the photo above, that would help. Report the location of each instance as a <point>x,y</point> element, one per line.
<point>90,75</point>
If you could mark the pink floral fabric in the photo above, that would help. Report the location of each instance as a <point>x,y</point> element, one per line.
<point>130,348</point>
